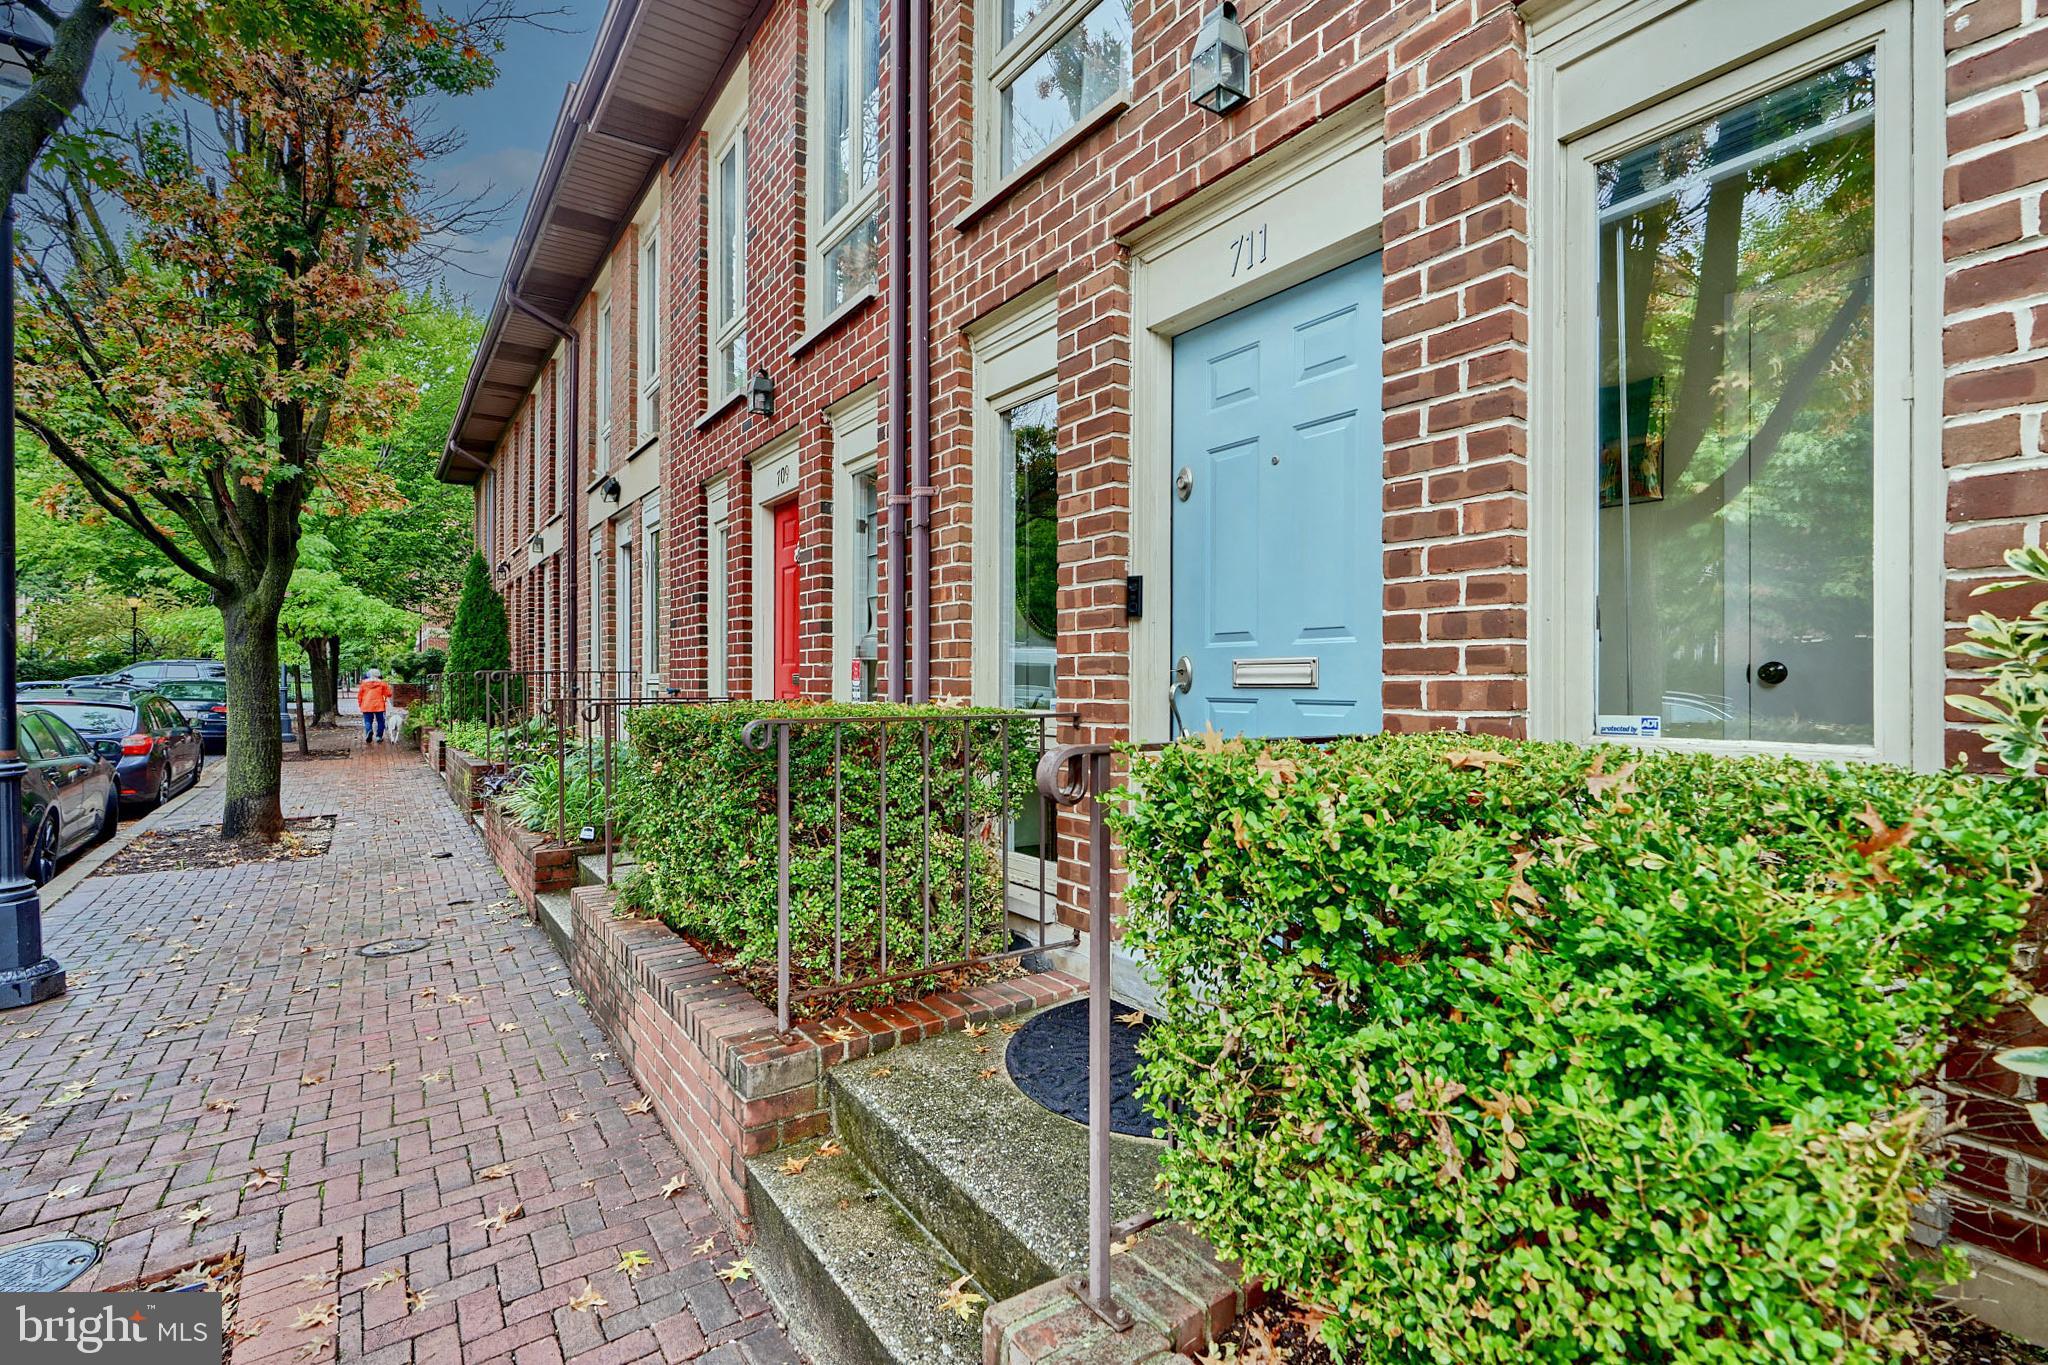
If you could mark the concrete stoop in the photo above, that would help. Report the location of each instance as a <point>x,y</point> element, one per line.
<point>938,1168</point>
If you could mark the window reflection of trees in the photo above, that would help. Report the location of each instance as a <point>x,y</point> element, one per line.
<point>1745,296</point>
<point>1088,64</point>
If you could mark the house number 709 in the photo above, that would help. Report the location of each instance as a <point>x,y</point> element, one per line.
<point>1248,251</point>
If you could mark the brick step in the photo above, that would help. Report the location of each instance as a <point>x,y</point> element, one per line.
<point>858,1280</point>
<point>590,868</point>
<point>999,1180</point>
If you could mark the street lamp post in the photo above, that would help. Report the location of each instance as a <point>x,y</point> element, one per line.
<point>28,976</point>
<point>134,630</point>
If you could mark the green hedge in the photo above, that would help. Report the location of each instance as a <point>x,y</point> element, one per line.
<point>702,821</point>
<point>1504,1052</point>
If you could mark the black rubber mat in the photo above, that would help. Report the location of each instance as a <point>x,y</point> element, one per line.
<point>1048,1059</point>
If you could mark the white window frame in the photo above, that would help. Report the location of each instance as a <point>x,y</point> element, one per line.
<point>558,428</point>
<point>650,592</point>
<point>717,587</point>
<point>625,629</point>
<point>597,600</point>
<point>1598,56</point>
<point>866,200</point>
<point>725,132</point>
<point>856,452</point>
<point>602,383</point>
<point>647,414</point>
<point>998,65</point>
<point>1016,359</point>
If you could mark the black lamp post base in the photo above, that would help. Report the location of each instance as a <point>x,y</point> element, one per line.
<point>31,985</point>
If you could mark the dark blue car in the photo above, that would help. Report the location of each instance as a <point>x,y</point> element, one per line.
<point>155,750</point>
<point>204,703</point>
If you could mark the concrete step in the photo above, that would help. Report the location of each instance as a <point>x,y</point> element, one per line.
<point>998,1179</point>
<point>855,1277</point>
<point>558,918</point>
<point>590,868</point>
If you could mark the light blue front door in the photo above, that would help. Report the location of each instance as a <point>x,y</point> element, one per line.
<point>1276,512</point>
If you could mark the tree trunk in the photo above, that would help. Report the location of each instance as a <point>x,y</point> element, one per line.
<point>253,808</point>
<point>321,673</point>
<point>332,701</point>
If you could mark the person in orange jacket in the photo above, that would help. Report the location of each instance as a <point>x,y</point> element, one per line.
<point>373,694</point>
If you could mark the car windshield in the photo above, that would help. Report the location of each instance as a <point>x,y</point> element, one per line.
<point>92,719</point>
<point>194,691</point>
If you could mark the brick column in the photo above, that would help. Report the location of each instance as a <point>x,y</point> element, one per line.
<point>1457,368</point>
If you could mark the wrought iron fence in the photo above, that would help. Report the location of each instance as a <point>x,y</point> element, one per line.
<point>974,768</point>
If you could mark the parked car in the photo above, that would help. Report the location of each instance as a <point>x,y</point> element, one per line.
<point>69,796</point>
<point>205,704</point>
<point>156,751</point>
<point>153,671</point>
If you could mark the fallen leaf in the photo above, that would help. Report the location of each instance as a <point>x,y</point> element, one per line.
<point>389,1068</point>
<point>459,999</point>
<point>975,1030</point>
<point>737,1271</point>
<point>196,1214</point>
<point>222,1106</point>
<point>429,1077</point>
<point>320,1315</point>
<point>416,1299</point>
<point>67,1192</point>
<point>497,1172</point>
<point>385,1278</point>
<point>588,1299</point>
<point>313,1078</point>
<point>960,1300</point>
<point>1011,1025</point>
<point>429,992</point>
<point>704,1247</point>
<point>564,994</point>
<point>496,1222</point>
<point>13,1126</point>
<point>320,1279</point>
<point>257,1179</point>
<point>1134,1018</point>
<point>1599,781</point>
<point>878,1072</point>
<point>1480,759</point>
<point>508,1027</point>
<point>794,1165</point>
<point>633,1262</point>
<point>829,1149</point>
<point>987,1073</point>
<point>310,1349</point>
<point>643,1105</point>
<point>572,1116</point>
<point>842,1034</point>
<point>675,1187</point>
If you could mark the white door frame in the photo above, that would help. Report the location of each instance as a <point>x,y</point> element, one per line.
<point>775,482</point>
<point>1305,208</point>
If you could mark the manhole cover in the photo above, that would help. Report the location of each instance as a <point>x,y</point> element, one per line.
<point>43,1267</point>
<point>391,947</point>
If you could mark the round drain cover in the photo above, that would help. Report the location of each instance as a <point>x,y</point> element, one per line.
<point>1048,1059</point>
<point>391,947</point>
<point>43,1267</point>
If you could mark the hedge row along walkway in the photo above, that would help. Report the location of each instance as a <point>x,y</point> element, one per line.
<point>227,1072</point>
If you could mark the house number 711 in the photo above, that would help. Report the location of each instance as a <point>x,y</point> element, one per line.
<point>1248,251</point>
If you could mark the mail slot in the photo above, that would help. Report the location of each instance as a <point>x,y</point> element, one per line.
<point>1274,672</point>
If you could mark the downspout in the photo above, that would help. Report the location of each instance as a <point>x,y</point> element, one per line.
<point>897,351</point>
<point>920,344</point>
<point>572,538</point>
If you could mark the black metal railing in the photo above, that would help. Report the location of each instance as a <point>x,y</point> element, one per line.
<point>969,776</point>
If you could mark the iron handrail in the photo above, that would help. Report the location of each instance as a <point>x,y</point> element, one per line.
<point>1069,776</point>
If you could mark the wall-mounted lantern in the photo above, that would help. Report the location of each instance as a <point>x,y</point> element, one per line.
<point>611,492</point>
<point>761,394</point>
<point>534,542</point>
<point>1220,69</point>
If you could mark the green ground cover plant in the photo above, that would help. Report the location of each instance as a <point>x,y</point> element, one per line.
<point>1502,1052</point>
<point>578,776</point>
<point>702,821</point>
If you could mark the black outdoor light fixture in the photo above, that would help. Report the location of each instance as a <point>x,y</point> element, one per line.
<point>27,975</point>
<point>611,492</point>
<point>761,394</point>
<point>1220,70</point>
<point>534,542</point>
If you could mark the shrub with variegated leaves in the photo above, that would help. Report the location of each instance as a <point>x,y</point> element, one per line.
<point>1500,1052</point>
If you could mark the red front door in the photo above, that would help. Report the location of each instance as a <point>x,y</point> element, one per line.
<point>786,635</point>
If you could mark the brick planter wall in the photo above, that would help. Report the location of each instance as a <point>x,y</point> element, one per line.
<point>726,1085</point>
<point>463,772</point>
<point>532,863</point>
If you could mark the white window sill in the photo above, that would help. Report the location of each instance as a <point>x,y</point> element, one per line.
<point>1103,114</point>
<point>855,302</point>
<point>720,408</point>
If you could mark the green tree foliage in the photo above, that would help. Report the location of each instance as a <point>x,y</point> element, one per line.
<point>411,554</point>
<point>479,641</point>
<point>1533,1053</point>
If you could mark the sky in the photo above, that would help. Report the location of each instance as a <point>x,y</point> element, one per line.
<point>505,130</point>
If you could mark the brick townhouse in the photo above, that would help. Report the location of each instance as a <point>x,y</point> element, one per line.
<point>1668,370</point>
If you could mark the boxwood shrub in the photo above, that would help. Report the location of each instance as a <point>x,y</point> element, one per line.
<point>702,821</point>
<point>1529,1052</point>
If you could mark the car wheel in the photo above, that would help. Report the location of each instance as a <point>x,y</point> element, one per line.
<point>163,784</point>
<point>198,767</point>
<point>110,818</point>
<point>42,861</point>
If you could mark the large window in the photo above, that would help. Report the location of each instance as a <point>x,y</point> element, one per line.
<point>652,615</point>
<point>596,591</point>
<point>718,605</point>
<point>1736,484</point>
<point>648,413</point>
<point>1030,557</point>
<point>603,396</point>
<point>729,266</point>
<point>1052,66</point>
<point>846,194</point>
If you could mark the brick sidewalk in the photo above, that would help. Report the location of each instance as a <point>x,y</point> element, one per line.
<point>375,1092</point>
